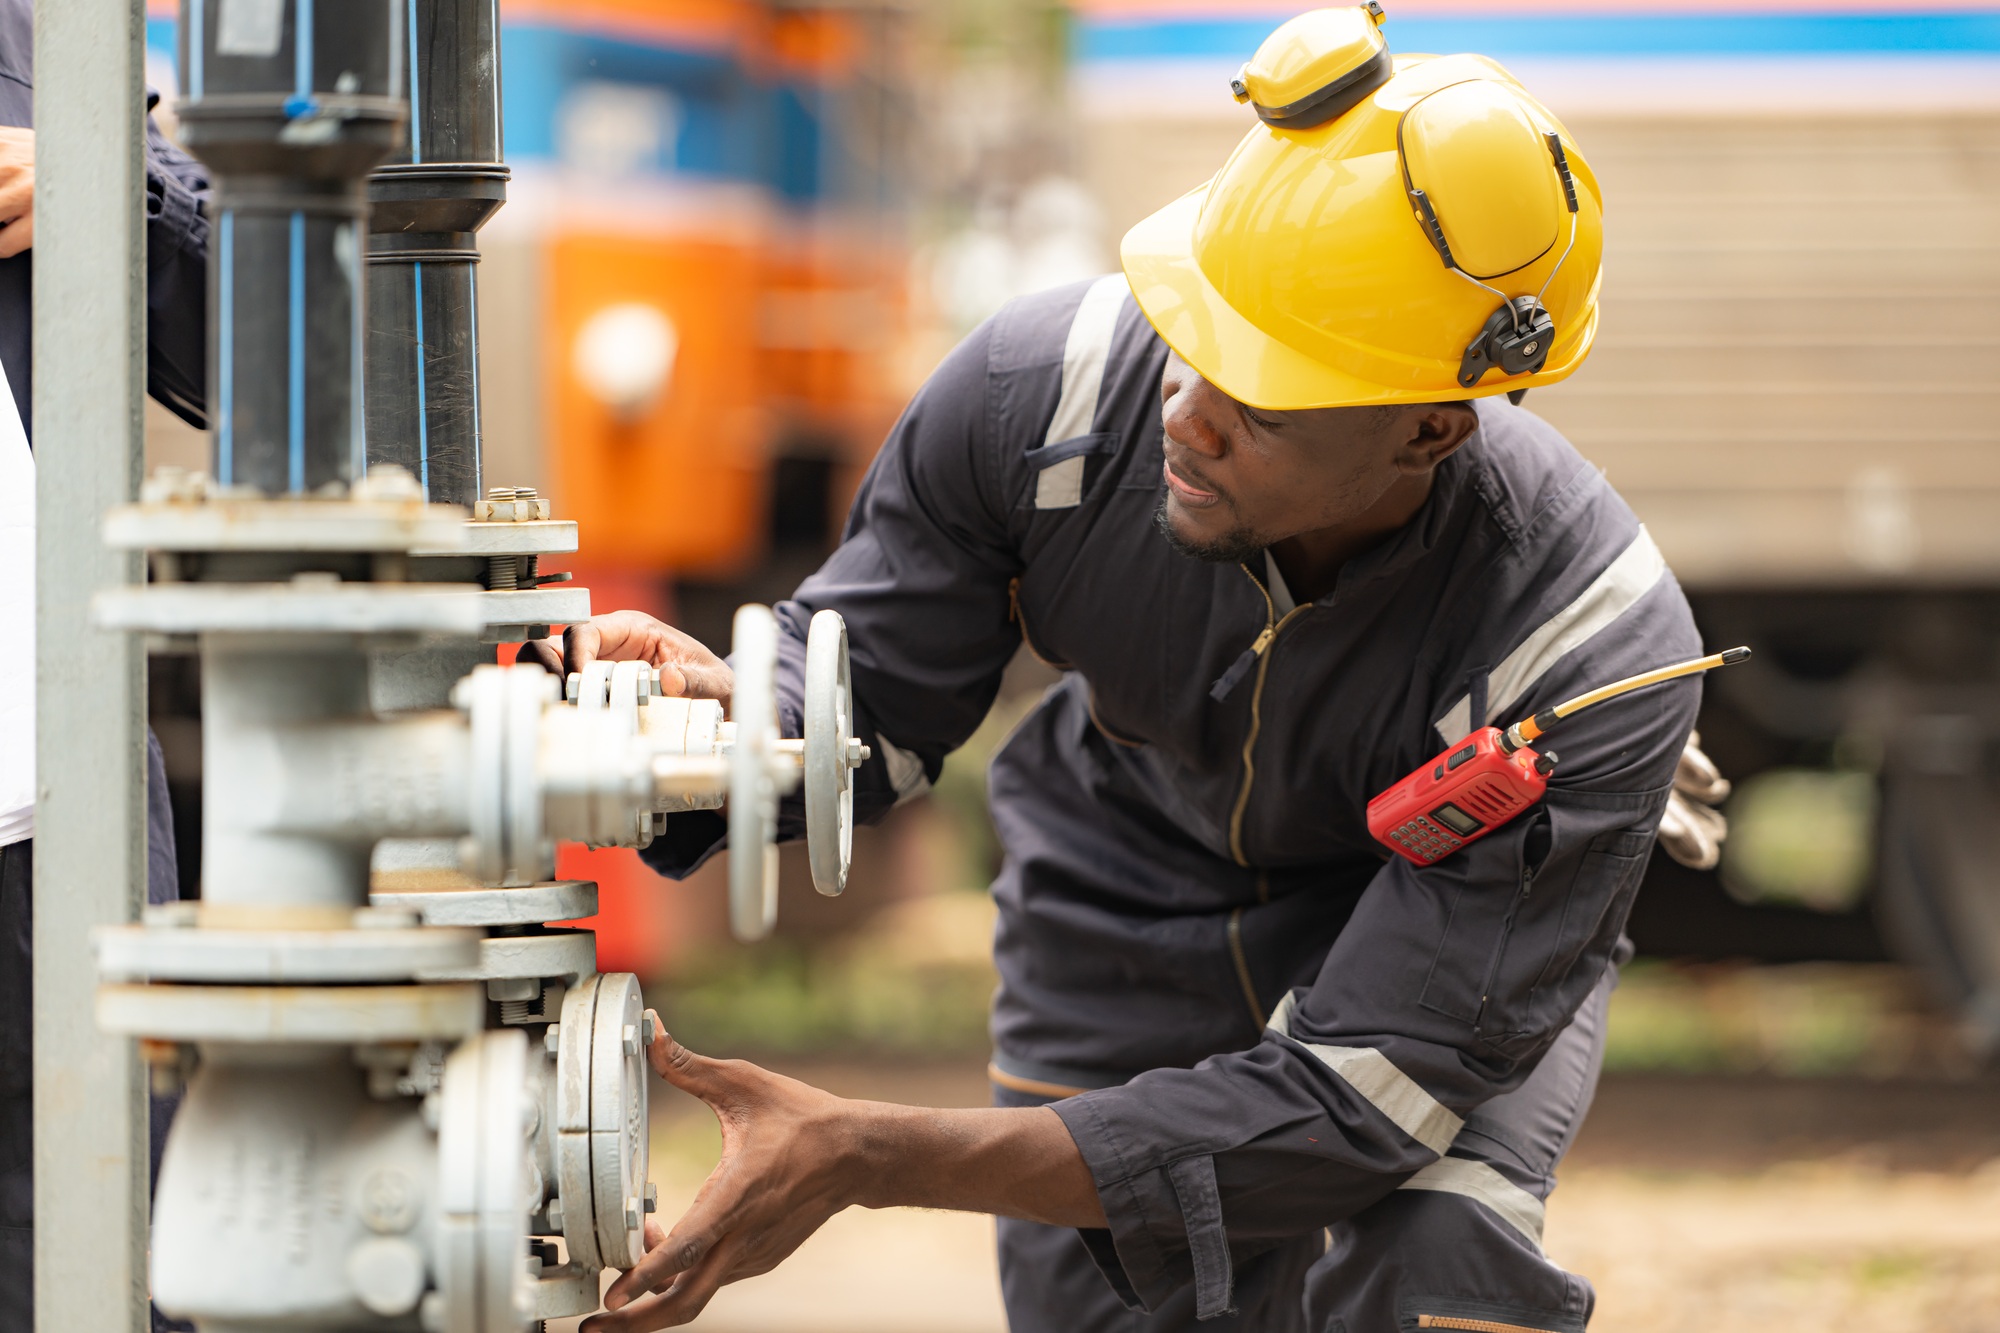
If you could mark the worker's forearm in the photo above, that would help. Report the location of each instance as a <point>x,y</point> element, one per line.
<point>1013,1161</point>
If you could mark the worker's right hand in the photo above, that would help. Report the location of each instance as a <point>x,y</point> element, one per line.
<point>687,668</point>
<point>17,190</point>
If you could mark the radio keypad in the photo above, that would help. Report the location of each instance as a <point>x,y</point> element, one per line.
<point>1427,839</point>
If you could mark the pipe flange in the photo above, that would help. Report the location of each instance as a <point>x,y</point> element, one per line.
<point>618,1101</point>
<point>198,521</point>
<point>507,845</point>
<point>564,954</point>
<point>527,905</point>
<point>309,604</point>
<point>600,1141</point>
<point>281,957</point>
<point>482,1175</point>
<point>535,606</point>
<point>572,1127</point>
<point>545,536</point>
<point>335,1015</point>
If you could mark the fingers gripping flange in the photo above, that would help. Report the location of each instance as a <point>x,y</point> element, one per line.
<point>618,1120</point>
<point>832,753</point>
<point>753,786</point>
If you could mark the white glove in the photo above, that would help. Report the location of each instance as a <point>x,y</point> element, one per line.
<point>1692,830</point>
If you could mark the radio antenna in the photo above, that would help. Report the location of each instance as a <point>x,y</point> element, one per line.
<point>1531,728</point>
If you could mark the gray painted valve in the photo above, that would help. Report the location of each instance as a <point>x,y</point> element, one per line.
<point>702,761</point>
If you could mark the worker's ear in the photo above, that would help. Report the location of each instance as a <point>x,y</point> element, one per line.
<point>1429,433</point>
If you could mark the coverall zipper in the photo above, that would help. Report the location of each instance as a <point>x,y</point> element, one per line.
<point>1015,615</point>
<point>1506,933</point>
<point>1261,649</point>
<point>1474,1325</point>
<point>1242,961</point>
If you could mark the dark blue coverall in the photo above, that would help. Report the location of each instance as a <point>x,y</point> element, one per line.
<point>1317,1087</point>
<point>176,333</point>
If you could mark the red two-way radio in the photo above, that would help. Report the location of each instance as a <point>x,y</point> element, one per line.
<point>1493,775</point>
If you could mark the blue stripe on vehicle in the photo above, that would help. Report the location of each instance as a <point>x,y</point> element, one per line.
<point>720,129</point>
<point>1962,32</point>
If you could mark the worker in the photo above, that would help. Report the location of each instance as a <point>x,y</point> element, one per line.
<point>1264,500</point>
<point>176,322</point>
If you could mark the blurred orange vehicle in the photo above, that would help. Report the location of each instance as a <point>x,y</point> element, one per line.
<point>699,272</point>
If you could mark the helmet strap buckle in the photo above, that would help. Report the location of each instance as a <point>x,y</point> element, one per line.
<point>1515,339</point>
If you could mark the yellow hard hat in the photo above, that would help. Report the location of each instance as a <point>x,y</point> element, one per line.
<point>1394,230</point>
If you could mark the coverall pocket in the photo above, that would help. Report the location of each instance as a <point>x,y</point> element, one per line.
<point>1563,932</point>
<point>1489,877</point>
<point>1582,927</point>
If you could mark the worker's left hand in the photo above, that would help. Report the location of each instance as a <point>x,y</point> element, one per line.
<point>784,1168</point>
<point>17,190</point>
<point>1692,829</point>
<point>688,669</point>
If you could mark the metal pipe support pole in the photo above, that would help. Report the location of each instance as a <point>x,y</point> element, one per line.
<point>90,816</point>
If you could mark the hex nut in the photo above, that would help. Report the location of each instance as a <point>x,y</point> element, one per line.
<point>513,988</point>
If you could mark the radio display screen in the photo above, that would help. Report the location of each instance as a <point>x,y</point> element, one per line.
<point>1456,819</point>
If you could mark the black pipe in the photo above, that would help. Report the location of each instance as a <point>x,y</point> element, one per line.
<point>428,202</point>
<point>289,103</point>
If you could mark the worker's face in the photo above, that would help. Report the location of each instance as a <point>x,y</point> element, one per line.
<point>1239,479</point>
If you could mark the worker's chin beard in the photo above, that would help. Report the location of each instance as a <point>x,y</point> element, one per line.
<point>1231,548</point>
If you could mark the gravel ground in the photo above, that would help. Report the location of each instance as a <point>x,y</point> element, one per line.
<point>1711,1204</point>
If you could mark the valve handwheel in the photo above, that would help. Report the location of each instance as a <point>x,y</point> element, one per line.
<point>832,753</point>
<point>753,783</point>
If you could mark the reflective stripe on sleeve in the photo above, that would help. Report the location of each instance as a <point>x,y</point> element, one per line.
<point>1084,354</point>
<point>1610,595</point>
<point>1385,1087</point>
<point>1481,1183</point>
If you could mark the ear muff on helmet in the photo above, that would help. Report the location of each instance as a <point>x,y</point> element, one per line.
<point>1508,223</point>
<point>1317,67</point>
